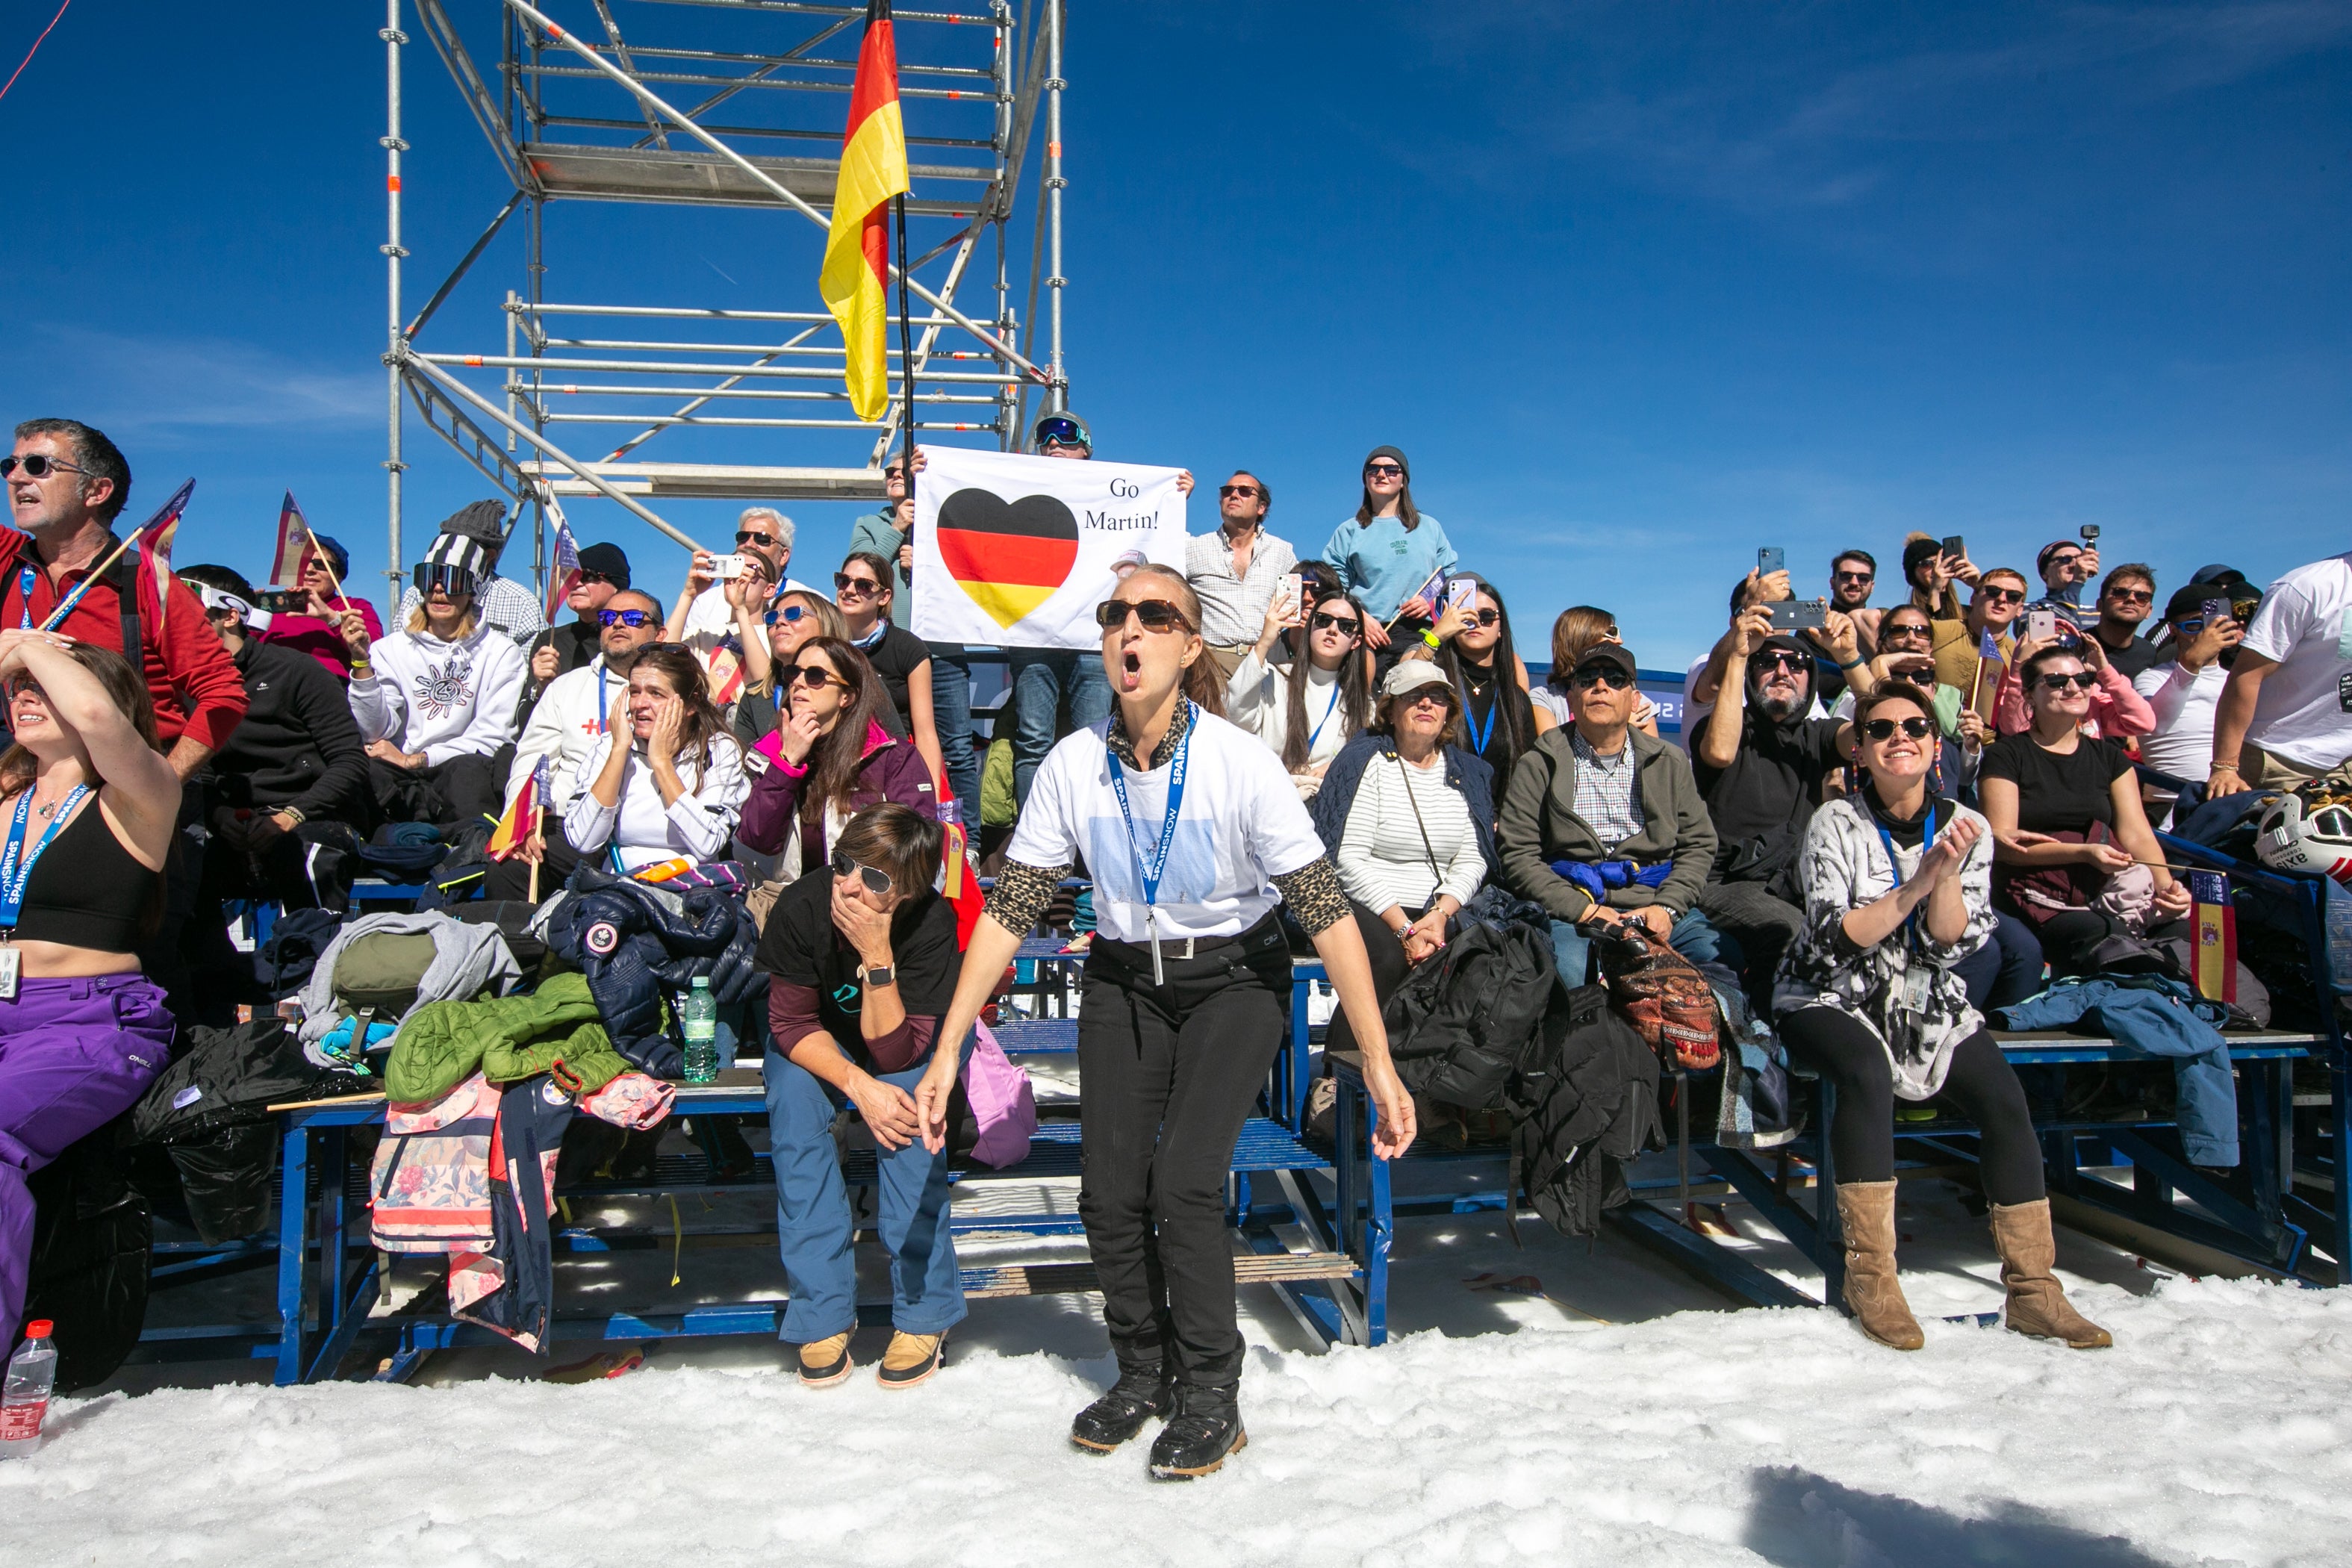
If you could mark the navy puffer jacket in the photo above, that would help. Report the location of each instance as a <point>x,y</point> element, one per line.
<point>637,941</point>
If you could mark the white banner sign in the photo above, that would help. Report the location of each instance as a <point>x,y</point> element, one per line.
<point>1016,551</point>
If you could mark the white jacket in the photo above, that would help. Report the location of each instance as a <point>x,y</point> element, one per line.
<point>445,699</point>
<point>564,726</point>
<point>1257,699</point>
<point>696,826</point>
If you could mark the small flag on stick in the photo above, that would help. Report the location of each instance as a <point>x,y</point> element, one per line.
<point>565,575</point>
<point>293,539</point>
<point>155,544</point>
<point>1421,603</point>
<point>521,819</point>
<point>2215,964</point>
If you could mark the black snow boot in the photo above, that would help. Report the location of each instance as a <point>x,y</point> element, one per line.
<point>1206,1427</point>
<point>1140,1393</point>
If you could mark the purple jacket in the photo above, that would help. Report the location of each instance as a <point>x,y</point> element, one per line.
<point>890,770</point>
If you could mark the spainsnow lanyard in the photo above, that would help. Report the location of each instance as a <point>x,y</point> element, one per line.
<point>1478,738</point>
<point>1915,990</point>
<point>1149,870</point>
<point>16,864</point>
<point>25,581</point>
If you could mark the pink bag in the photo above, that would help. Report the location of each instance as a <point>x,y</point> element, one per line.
<point>1001,1102</point>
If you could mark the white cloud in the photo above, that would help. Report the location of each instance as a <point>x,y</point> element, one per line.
<point>157,385</point>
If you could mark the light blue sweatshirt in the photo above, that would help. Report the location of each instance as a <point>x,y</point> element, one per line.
<point>1381,562</point>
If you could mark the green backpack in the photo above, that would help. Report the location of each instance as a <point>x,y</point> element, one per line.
<point>377,975</point>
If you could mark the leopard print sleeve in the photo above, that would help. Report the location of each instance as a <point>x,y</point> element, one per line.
<point>1317,901</point>
<point>1022,893</point>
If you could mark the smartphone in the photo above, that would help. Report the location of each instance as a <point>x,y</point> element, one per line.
<point>1955,547</point>
<point>1800,615</point>
<point>2090,532</point>
<point>2214,610</point>
<point>1771,559</point>
<point>726,568</point>
<point>1293,592</point>
<point>1461,594</point>
<point>2042,626</point>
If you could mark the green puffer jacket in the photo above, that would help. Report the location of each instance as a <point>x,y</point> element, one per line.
<point>442,1044</point>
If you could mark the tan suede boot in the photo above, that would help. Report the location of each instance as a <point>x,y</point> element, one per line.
<point>2021,1234</point>
<point>1866,1210</point>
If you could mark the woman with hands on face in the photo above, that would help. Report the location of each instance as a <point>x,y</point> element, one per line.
<point>1897,889</point>
<point>861,955</point>
<point>830,755</point>
<point>668,781</point>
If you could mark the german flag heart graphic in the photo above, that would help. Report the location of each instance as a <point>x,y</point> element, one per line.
<point>1009,556</point>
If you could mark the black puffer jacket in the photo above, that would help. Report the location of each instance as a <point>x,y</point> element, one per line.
<point>1583,1109</point>
<point>637,941</point>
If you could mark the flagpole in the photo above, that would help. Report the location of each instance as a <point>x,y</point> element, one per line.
<point>324,559</point>
<point>65,606</point>
<point>906,354</point>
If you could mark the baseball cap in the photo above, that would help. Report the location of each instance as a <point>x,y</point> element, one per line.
<point>1612,653</point>
<point>1412,675</point>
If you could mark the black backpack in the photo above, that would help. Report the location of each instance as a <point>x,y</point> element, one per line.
<point>1584,1107</point>
<point>1469,1014</point>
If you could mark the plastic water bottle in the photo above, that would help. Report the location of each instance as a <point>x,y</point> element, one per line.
<point>25,1400</point>
<point>700,1024</point>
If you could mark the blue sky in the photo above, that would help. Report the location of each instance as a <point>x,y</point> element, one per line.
<point>1638,287</point>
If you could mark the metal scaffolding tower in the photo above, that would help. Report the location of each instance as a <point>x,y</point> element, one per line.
<point>663,117</point>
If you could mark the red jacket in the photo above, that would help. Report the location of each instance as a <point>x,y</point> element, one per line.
<point>195,686</point>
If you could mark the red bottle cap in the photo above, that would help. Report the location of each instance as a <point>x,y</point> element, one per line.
<point>38,1329</point>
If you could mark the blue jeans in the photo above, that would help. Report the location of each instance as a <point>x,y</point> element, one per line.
<point>1693,936</point>
<point>951,715</point>
<point>816,1234</point>
<point>1042,678</point>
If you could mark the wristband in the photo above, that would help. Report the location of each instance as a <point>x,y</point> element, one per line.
<point>2219,766</point>
<point>1431,638</point>
<point>295,812</point>
<point>363,670</point>
<point>1857,664</point>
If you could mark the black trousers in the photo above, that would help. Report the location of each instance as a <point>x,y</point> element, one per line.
<point>1388,970</point>
<point>1981,1085</point>
<point>458,791</point>
<point>1169,1074</point>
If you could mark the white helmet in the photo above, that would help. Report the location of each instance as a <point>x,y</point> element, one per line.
<point>2295,837</point>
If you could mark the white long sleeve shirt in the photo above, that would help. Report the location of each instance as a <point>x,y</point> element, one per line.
<point>696,824</point>
<point>2184,705</point>
<point>1382,861</point>
<point>564,726</point>
<point>445,699</point>
<point>1257,699</point>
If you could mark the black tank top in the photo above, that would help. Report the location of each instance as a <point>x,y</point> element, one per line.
<point>87,889</point>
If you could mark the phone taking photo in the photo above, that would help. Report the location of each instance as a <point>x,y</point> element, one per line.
<point>2042,626</point>
<point>1771,559</point>
<point>1956,548</point>
<point>1800,615</point>
<point>727,568</point>
<point>1462,593</point>
<point>1293,595</point>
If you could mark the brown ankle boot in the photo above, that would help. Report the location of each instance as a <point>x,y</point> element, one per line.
<point>2021,1234</point>
<point>1866,1210</point>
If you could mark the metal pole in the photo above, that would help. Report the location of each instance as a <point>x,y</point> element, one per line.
<point>397,347</point>
<point>1058,381</point>
<point>686,124</point>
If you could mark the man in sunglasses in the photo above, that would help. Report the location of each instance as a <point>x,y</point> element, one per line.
<point>1761,761</point>
<point>1237,570</point>
<point>559,650</point>
<point>718,617</point>
<point>1621,810</point>
<point>2066,567</point>
<point>499,603</point>
<point>2127,599</point>
<point>1993,609</point>
<point>580,705</point>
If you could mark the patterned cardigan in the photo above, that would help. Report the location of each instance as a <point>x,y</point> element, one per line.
<point>1842,867</point>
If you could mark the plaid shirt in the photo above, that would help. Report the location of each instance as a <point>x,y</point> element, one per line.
<point>1608,792</point>
<point>1233,609</point>
<point>505,605</point>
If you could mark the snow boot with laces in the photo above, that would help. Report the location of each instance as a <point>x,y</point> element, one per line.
<point>1866,1214</point>
<point>1205,1427</point>
<point>1140,1393</point>
<point>2037,1306</point>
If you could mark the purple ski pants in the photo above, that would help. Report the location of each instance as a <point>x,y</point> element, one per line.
<point>74,1054</point>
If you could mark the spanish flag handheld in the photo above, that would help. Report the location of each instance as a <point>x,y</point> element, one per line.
<point>2214,963</point>
<point>857,246</point>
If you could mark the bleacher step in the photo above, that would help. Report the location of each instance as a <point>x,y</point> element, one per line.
<point>1061,1279</point>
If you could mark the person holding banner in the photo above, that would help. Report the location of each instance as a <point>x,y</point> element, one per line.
<point>1388,552</point>
<point>1896,884</point>
<point>316,570</point>
<point>92,810</point>
<point>1193,833</point>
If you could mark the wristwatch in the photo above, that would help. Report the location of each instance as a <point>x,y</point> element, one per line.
<point>881,975</point>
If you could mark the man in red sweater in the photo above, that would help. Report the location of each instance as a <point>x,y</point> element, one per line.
<point>63,518</point>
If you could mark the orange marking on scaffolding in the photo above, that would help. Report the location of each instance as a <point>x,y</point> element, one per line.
<point>1052,148</point>
<point>473,359</point>
<point>953,93</point>
<point>553,31</point>
<point>392,182</point>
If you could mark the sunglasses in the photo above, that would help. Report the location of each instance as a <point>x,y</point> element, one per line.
<point>744,536</point>
<point>1229,491</point>
<point>1607,675</point>
<point>789,613</point>
<point>1323,621</point>
<point>2082,678</point>
<point>843,582</point>
<point>894,473</point>
<point>1156,615</point>
<point>1856,576</point>
<point>1915,677</point>
<point>21,684</point>
<point>1485,618</point>
<point>816,677</point>
<point>1780,659</point>
<point>625,618</point>
<point>2004,596</point>
<point>1383,470</point>
<point>2133,595</point>
<point>585,578</point>
<point>1441,696</point>
<point>876,883</point>
<point>1884,729</point>
<point>37,467</point>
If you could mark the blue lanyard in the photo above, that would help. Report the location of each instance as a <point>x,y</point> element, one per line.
<point>24,583</point>
<point>1151,870</point>
<point>16,866</point>
<point>604,678</point>
<point>1927,842</point>
<point>1328,709</point>
<point>1478,738</point>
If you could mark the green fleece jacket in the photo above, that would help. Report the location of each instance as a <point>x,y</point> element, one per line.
<point>1538,824</point>
<point>442,1044</point>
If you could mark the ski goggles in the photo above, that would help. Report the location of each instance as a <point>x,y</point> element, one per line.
<point>453,581</point>
<point>1061,432</point>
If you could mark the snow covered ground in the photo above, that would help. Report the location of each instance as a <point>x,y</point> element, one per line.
<point>1555,1405</point>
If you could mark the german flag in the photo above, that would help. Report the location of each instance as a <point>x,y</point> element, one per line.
<point>1009,558</point>
<point>857,246</point>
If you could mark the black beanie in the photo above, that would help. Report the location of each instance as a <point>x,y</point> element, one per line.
<point>607,562</point>
<point>1917,549</point>
<point>1392,452</point>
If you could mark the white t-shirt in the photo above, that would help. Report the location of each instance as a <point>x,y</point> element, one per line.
<point>2182,744</point>
<point>1240,825</point>
<point>2303,713</point>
